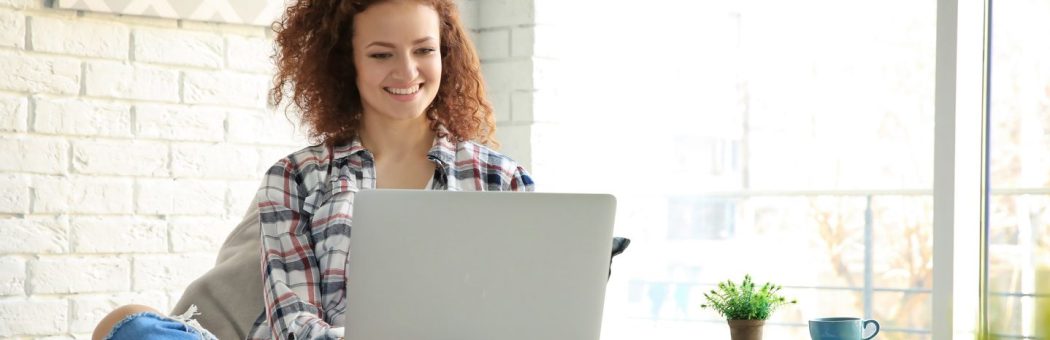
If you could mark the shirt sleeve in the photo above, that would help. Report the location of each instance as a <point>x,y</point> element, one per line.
<point>521,181</point>
<point>291,284</point>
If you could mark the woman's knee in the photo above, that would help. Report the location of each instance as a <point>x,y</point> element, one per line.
<point>111,319</point>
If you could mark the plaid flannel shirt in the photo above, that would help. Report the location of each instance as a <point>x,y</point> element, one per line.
<point>305,204</point>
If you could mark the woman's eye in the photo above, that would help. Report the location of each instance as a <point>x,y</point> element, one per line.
<point>380,55</point>
<point>425,51</point>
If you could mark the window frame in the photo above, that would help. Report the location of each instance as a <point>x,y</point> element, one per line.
<point>960,185</point>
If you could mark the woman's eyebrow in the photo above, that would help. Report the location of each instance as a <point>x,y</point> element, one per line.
<point>391,45</point>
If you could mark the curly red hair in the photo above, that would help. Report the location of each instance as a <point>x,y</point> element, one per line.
<point>315,62</point>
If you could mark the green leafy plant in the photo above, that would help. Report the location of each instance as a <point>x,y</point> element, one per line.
<point>745,301</point>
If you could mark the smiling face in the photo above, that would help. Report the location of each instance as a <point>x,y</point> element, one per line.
<point>397,56</point>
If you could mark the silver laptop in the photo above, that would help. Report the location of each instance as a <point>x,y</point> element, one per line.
<point>442,265</point>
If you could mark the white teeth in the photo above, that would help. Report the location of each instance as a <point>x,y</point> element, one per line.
<point>409,90</point>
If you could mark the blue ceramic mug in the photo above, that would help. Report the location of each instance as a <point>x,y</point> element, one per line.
<point>841,329</point>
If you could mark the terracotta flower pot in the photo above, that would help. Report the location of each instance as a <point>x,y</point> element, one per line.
<point>746,329</point>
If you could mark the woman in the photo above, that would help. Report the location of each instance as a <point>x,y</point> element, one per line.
<point>393,92</point>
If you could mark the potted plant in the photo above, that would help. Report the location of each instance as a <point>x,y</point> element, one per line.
<point>745,306</point>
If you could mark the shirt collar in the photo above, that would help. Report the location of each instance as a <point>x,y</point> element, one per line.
<point>345,150</point>
<point>443,152</point>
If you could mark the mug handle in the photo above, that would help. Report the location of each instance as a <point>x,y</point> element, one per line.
<point>876,323</point>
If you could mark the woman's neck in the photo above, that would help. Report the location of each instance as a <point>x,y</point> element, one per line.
<point>397,139</point>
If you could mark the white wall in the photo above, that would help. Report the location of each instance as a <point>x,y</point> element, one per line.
<point>130,147</point>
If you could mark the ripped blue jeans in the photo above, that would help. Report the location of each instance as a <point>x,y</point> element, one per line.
<point>152,326</point>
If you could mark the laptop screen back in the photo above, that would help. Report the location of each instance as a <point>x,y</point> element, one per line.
<point>478,265</point>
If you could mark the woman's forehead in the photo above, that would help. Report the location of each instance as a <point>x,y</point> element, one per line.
<point>402,22</point>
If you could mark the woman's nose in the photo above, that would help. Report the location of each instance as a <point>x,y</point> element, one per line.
<point>406,69</point>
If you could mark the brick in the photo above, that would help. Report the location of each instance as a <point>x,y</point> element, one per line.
<point>178,47</point>
<point>35,235</point>
<point>199,234</point>
<point>169,271</point>
<point>12,276</point>
<point>25,4</point>
<point>214,161</point>
<point>87,310</point>
<point>12,29</point>
<point>250,54</point>
<point>507,76</point>
<point>230,89</point>
<point>22,317</point>
<point>123,234</point>
<point>521,106</point>
<point>16,197</point>
<point>66,274</point>
<point>153,196</point>
<point>79,37</point>
<point>262,128</point>
<point>494,44</point>
<point>194,197</point>
<point>82,195</point>
<point>131,20</point>
<point>14,113</point>
<point>498,13</point>
<point>125,81</point>
<point>240,195</point>
<point>522,40</point>
<point>35,155</point>
<point>173,122</point>
<point>39,74</point>
<point>501,108</point>
<point>132,158</point>
<point>71,116</point>
<point>226,28</point>
<point>468,13</point>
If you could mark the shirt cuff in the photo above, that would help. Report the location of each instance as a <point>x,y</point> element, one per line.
<point>337,332</point>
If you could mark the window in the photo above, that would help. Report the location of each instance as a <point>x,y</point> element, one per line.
<point>789,140</point>
<point>1019,205</point>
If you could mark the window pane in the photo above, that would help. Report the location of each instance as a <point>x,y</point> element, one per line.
<point>1019,216</point>
<point>791,140</point>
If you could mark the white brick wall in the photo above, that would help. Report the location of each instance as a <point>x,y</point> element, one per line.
<point>78,274</point>
<point>132,146</point>
<point>33,316</point>
<point>12,28</point>
<point>517,46</point>
<point>13,113</point>
<point>123,80</point>
<point>34,235</point>
<point>12,275</point>
<point>75,116</point>
<point>34,73</point>
<point>180,122</point>
<point>15,199</point>
<point>118,234</point>
<point>178,47</point>
<point>111,157</point>
<point>79,37</point>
